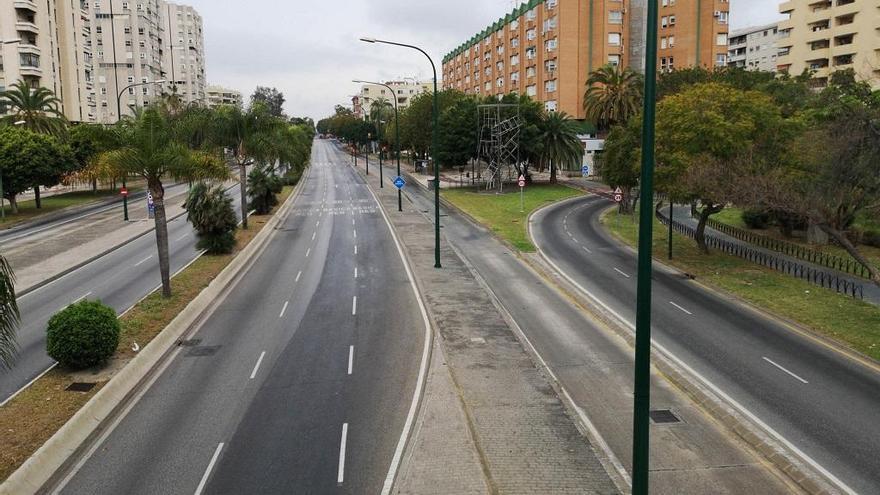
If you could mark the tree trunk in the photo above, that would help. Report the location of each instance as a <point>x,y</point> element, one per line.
<point>37,202</point>
<point>161,234</point>
<point>94,186</point>
<point>700,234</point>
<point>853,251</point>
<point>552,172</point>
<point>242,177</point>
<point>13,204</point>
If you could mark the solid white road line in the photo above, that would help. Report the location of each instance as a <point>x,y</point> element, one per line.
<point>679,307</point>
<point>141,262</point>
<point>313,235</point>
<point>298,275</point>
<point>340,473</point>
<point>208,470</point>
<point>355,272</point>
<point>354,305</point>
<point>587,249</point>
<point>620,272</point>
<point>80,298</point>
<point>283,309</point>
<point>785,370</point>
<point>350,358</point>
<point>308,252</point>
<point>184,236</point>
<point>260,360</point>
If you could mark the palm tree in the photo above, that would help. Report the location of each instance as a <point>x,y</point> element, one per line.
<point>561,145</point>
<point>151,148</point>
<point>9,316</point>
<point>209,210</point>
<point>613,95</point>
<point>37,108</point>
<point>251,134</point>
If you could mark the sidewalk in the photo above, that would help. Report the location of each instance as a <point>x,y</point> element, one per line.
<point>490,421</point>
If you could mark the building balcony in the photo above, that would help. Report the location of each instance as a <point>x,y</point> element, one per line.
<point>27,70</point>
<point>787,6</point>
<point>26,5</point>
<point>26,26</point>
<point>29,49</point>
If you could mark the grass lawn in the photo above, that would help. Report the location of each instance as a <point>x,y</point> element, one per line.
<point>33,416</point>
<point>852,322</point>
<point>502,213</point>
<point>27,209</point>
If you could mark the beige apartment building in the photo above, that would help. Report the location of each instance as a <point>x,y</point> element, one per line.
<point>754,48</point>
<point>218,96</point>
<point>53,51</point>
<point>184,52</point>
<point>547,48</point>
<point>402,90</point>
<point>825,36</point>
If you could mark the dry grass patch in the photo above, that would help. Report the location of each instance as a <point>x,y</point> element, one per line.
<point>33,416</point>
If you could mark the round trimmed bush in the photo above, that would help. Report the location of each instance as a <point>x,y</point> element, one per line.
<point>83,335</point>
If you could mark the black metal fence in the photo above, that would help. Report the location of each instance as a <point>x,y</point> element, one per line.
<point>822,278</point>
<point>834,262</point>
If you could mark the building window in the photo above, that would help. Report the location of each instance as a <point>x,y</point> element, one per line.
<point>550,86</point>
<point>530,72</point>
<point>615,17</point>
<point>614,39</point>
<point>531,90</point>
<point>614,60</point>
<point>721,59</point>
<point>550,45</point>
<point>550,106</point>
<point>722,17</point>
<point>721,39</point>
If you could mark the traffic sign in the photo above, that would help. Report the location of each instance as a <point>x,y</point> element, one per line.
<point>522,181</point>
<point>399,182</point>
<point>585,170</point>
<point>618,195</point>
<point>123,191</point>
<point>151,206</point>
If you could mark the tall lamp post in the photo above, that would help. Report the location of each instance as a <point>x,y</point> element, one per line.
<point>396,135</point>
<point>433,145</point>
<point>20,122</point>
<point>119,118</point>
<point>642,378</point>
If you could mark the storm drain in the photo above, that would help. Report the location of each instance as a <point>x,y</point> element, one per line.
<point>189,343</point>
<point>203,350</point>
<point>663,416</point>
<point>80,386</point>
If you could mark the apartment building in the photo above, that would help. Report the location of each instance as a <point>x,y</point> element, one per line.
<point>547,48</point>
<point>219,96</point>
<point>184,52</point>
<point>53,50</point>
<point>754,48</point>
<point>403,90</point>
<point>825,36</point>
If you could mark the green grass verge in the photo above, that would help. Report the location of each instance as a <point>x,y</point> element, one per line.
<point>27,210</point>
<point>854,323</point>
<point>502,212</point>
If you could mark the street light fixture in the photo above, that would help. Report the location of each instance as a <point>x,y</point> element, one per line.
<point>434,112</point>
<point>119,118</point>
<point>396,137</point>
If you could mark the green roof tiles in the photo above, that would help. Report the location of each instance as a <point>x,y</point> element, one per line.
<point>496,26</point>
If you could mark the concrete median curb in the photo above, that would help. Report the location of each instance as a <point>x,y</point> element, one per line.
<point>67,441</point>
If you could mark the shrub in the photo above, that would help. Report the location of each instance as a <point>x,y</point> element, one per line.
<point>211,214</point>
<point>756,219</point>
<point>83,335</point>
<point>292,177</point>
<point>262,187</point>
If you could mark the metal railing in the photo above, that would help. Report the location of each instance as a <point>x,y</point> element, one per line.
<point>822,278</point>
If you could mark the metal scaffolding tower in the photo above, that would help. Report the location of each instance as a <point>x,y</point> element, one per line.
<point>498,145</point>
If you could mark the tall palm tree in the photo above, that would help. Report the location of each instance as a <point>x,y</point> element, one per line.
<point>561,145</point>
<point>250,134</point>
<point>9,316</point>
<point>613,95</point>
<point>151,148</point>
<point>38,108</point>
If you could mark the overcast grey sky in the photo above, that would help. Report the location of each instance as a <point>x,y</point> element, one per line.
<point>309,49</point>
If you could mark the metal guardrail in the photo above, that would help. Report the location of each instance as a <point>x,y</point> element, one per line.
<point>794,250</point>
<point>802,271</point>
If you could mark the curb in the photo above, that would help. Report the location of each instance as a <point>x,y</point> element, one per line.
<point>66,442</point>
<point>768,445</point>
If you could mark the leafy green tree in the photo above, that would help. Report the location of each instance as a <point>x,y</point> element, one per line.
<point>87,142</point>
<point>619,165</point>
<point>9,315</point>
<point>211,214</point>
<point>271,98</point>
<point>150,148</point>
<point>613,95</point>
<point>262,188</point>
<point>29,160</point>
<point>457,133</point>
<point>559,135</point>
<point>38,108</point>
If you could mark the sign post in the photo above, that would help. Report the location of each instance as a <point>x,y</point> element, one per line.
<point>399,182</point>
<point>618,198</point>
<point>585,171</point>
<point>522,186</point>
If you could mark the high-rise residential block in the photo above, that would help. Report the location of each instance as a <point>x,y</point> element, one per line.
<point>184,52</point>
<point>402,90</point>
<point>219,96</point>
<point>824,36</point>
<point>754,48</point>
<point>547,48</point>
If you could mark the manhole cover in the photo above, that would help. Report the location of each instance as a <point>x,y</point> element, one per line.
<point>189,343</point>
<point>80,386</point>
<point>203,350</point>
<point>663,416</point>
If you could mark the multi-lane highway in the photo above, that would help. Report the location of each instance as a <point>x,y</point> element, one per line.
<point>825,404</point>
<point>299,382</point>
<point>119,279</point>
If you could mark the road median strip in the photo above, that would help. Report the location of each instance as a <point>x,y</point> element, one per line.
<point>46,425</point>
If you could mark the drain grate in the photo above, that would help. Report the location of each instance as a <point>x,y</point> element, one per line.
<point>663,416</point>
<point>80,386</point>
<point>203,350</point>
<point>189,343</point>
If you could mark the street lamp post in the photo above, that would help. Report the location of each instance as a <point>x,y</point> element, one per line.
<point>367,154</point>
<point>379,138</point>
<point>434,111</point>
<point>119,118</point>
<point>396,136</point>
<point>20,122</point>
